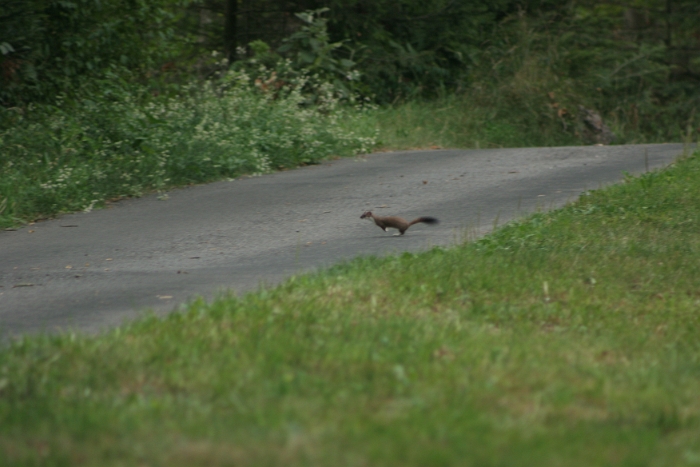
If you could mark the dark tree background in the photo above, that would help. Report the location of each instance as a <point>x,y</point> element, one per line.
<point>403,48</point>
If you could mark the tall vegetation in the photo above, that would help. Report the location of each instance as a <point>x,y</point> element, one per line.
<point>69,158</point>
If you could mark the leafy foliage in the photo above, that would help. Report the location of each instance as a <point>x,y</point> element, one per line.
<point>306,52</point>
<point>410,48</point>
<point>312,51</point>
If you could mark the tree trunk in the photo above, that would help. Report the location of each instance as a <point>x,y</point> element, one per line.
<point>230,22</point>
<point>669,12</point>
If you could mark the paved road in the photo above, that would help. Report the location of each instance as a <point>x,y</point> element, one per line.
<point>90,270</point>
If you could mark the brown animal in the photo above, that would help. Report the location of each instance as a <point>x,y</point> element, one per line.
<point>394,222</point>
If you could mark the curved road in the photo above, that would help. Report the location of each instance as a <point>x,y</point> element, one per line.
<point>90,270</point>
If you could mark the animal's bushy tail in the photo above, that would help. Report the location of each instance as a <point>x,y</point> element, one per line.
<point>425,220</point>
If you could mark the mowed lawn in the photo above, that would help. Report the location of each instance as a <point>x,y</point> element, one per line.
<point>570,338</point>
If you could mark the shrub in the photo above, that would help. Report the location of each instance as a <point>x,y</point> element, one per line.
<point>76,154</point>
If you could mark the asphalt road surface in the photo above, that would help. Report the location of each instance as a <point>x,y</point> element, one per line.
<point>86,271</point>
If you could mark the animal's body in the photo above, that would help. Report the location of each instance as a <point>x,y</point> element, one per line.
<point>395,222</point>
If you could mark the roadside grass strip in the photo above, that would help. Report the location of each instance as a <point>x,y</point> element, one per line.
<point>566,338</point>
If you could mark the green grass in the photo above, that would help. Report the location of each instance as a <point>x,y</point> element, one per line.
<point>568,338</point>
<point>461,121</point>
<point>517,116</point>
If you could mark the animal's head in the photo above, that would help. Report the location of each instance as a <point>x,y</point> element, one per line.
<point>366,215</point>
